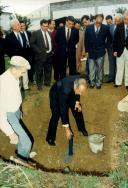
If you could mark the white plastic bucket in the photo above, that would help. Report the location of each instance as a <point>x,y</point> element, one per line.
<point>96,142</point>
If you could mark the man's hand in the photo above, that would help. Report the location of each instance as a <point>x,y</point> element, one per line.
<point>87,55</point>
<point>68,133</point>
<point>14,139</point>
<point>78,106</point>
<point>115,54</point>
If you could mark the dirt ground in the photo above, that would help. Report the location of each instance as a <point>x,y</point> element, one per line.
<point>100,113</point>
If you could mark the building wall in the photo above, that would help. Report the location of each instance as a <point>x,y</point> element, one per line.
<point>5,21</point>
<point>76,8</point>
<point>37,15</point>
<point>79,7</point>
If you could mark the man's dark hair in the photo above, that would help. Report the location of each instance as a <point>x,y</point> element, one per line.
<point>70,18</point>
<point>50,21</point>
<point>77,21</point>
<point>85,17</point>
<point>43,21</point>
<point>22,22</point>
<point>99,15</point>
<point>109,17</point>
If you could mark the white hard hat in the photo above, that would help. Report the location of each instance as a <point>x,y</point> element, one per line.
<point>20,61</point>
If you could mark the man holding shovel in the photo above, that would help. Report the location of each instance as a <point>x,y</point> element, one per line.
<point>65,94</point>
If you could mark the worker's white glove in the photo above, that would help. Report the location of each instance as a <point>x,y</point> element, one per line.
<point>14,138</point>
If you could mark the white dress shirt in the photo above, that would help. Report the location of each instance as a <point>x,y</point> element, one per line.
<point>26,36</point>
<point>18,34</point>
<point>96,28</point>
<point>125,30</point>
<point>49,40</point>
<point>66,31</point>
<point>10,99</point>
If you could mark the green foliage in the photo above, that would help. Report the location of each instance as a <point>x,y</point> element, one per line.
<point>89,182</point>
<point>123,122</point>
<point>1,9</point>
<point>123,184</point>
<point>116,177</point>
<point>121,10</point>
<point>24,19</point>
<point>124,153</point>
<point>13,176</point>
<point>84,182</point>
<point>119,177</point>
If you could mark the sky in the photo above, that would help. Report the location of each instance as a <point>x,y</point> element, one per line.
<point>25,7</point>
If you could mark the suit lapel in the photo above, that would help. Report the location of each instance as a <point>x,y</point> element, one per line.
<point>41,36</point>
<point>16,39</point>
<point>101,29</point>
<point>64,33</point>
<point>93,30</point>
<point>71,34</point>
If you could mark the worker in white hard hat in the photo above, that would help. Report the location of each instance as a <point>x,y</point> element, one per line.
<point>10,103</point>
<point>123,104</point>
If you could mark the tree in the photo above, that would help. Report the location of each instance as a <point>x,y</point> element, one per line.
<point>24,19</point>
<point>121,10</point>
<point>1,9</point>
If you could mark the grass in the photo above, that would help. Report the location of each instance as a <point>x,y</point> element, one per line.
<point>119,177</point>
<point>13,176</point>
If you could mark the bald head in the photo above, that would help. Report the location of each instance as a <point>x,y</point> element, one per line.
<point>80,86</point>
<point>118,19</point>
<point>126,18</point>
<point>15,25</point>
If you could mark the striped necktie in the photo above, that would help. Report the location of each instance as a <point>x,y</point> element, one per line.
<point>19,39</point>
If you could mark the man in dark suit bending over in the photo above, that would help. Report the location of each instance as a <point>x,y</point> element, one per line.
<point>65,94</point>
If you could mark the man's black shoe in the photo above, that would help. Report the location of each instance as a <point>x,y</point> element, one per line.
<point>85,133</point>
<point>51,142</point>
<point>28,89</point>
<point>126,87</point>
<point>109,81</point>
<point>98,87</point>
<point>91,86</point>
<point>116,85</point>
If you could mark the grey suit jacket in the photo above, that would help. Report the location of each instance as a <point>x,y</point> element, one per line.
<point>38,46</point>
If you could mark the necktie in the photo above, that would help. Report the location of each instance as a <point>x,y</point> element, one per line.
<point>126,40</point>
<point>68,35</point>
<point>24,40</point>
<point>46,42</point>
<point>19,39</point>
<point>97,31</point>
<point>127,32</point>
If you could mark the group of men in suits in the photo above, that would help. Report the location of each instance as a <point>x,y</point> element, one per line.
<point>120,49</point>
<point>2,51</point>
<point>118,19</point>
<point>17,43</point>
<point>54,47</point>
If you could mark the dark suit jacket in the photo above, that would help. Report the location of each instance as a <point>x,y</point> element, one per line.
<point>27,51</point>
<point>63,45</point>
<point>66,96</point>
<point>24,41</point>
<point>38,46</point>
<point>13,46</point>
<point>119,40</point>
<point>95,46</point>
<point>2,53</point>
